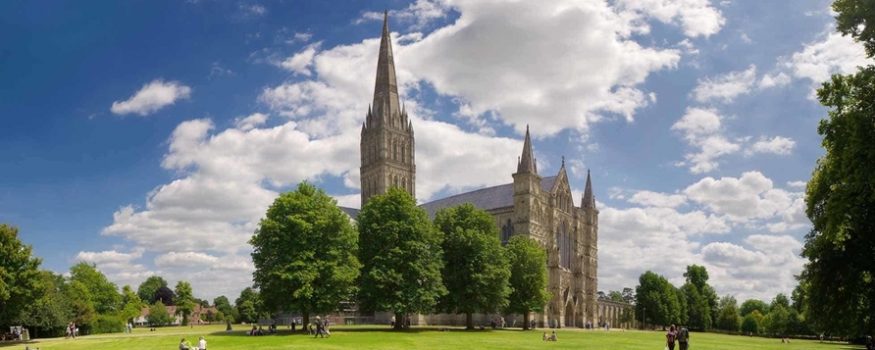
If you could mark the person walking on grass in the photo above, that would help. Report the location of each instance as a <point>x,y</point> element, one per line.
<point>670,337</point>
<point>683,337</point>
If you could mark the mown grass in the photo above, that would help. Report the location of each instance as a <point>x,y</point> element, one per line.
<point>375,337</point>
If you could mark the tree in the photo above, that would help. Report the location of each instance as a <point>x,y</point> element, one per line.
<point>132,305</point>
<point>81,303</point>
<point>751,305</point>
<point>777,321</point>
<point>629,295</point>
<point>50,312</point>
<point>19,275</point>
<point>528,277</point>
<point>165,295</point>
<point>727,314</point>
<point>224,306</point>
<point>400,252</point>
<point>476,269</point>
<point>184,300</point>
<point>158,315</point>
<point>780,300</point>
<point>615,296</point>
<point>841,192</point>
<point>104,293</point>
<point>751,323</point>
<point>149,287</point>
<point>657,300</point>
<point>305,254</point>
<point>703,303</point>
<point>247,305</point>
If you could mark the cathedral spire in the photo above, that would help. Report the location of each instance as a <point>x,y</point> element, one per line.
<point>527,161</point>
<point>588,199</point>
<point>386,106</point>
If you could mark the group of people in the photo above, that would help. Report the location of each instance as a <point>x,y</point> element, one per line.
<point>319,328</point>
<point>679,334</point>
<point>201,345</point>
<point>552,337</point>
<point>71,331</point>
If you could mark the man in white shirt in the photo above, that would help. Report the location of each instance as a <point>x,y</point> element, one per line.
<point>202,344</point>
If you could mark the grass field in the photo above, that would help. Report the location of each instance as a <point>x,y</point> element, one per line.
<point>372,337</point>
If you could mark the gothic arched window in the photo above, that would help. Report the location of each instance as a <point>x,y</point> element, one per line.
<point>563,240</point>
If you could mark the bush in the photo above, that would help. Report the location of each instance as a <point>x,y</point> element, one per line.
<point>107,324</point>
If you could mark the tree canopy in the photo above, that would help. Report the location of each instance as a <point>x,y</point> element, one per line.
<point>528,277</point>
<point>149,287</point>
<point>305,253</point>
<point>401,256</point>
<point>19,275</point>
<point>104,294</point>
<point>184,300</point>
<point>658,300</point>
<point>476,270</point>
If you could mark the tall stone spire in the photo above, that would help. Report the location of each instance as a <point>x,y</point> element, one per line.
<point>386,106</point>
<point>588,199</point>
<point>527,160</point>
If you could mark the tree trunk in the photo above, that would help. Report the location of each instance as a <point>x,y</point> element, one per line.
<point>305,321</point>
<point>469,321</point>
<point>525,321</point>
<point>399,321</point>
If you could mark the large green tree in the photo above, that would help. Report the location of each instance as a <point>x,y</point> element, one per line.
<point>528,277</point>
<point>701,298</point>
<point>81,303</point>
<point>305,254</point>
<point>158,315</point>
<point>401,256</point>
<point>840,272</point>
<point>476,269</point>
<point>149,287</point>
<point>132,305</point>
<point>248,305</point>
<point>104,294</point>
<point>19,276</point>
<point>728,318</point>
<point>658,300</point>
<point>184,300</point>
<point>751,305</point>
<point>50,312</point>
<point>224,306</point>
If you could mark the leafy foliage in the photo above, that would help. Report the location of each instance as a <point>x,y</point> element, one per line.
<point>158,315</point>
<point>248,305</point>
<point>659,302</point>
<point>400,252</point>
<point>305,253</point>
<point>476,269</point>
<point>528,277</point>
<point>857,19</point>
<point>728,318</point>
<point>224,306</point>
<point>149,287</point>
<point>751,305</point>
<point>184,300</point>
<point>19,274</point>
<point>104,294</point>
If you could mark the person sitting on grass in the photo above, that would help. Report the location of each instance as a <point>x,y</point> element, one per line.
<point>202,344</point>
<point>544,338</point>
<point>553,336</point>
<point>183,345</point>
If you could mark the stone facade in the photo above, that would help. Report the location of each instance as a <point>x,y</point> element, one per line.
<point>542,208</point>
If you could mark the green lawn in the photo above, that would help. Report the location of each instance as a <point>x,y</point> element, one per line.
<point>373,337</point>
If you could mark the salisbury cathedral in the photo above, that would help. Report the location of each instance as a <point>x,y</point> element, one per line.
<point>541,207</point>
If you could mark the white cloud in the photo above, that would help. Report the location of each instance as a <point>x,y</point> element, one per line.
<point>119,267</point>
<point>420,12</point>
<point>701,128</point>
<point>830,54</point>
<point>797,184</point>
<point>250,122</point>
<point>182,259</point>
<point>726,87</point>
<point>300,62</point>
<point>253,10</point>
<point>764,268</point>
<point>696,17</point>
<point>774,80</point>
<point>656,199</point>
<point>776,145</point>
<point>151,97</point>
<point>745,198</point>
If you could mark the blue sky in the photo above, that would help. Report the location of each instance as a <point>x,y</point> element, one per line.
<point>149,137</point>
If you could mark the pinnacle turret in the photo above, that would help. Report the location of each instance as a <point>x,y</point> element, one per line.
<point>527,160</point>
<point>588,200</point>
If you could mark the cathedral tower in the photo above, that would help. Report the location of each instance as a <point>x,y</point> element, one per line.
<point>387,142</point>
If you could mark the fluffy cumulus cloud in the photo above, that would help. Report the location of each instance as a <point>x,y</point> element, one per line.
<point>830,54</point>
<point>695,17</point>
<point>726,87</point>
<point>151,97</point>
<point>775,145</point>
<point>665,237</point>
<point>702,129</point>
<point>122,268</point>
